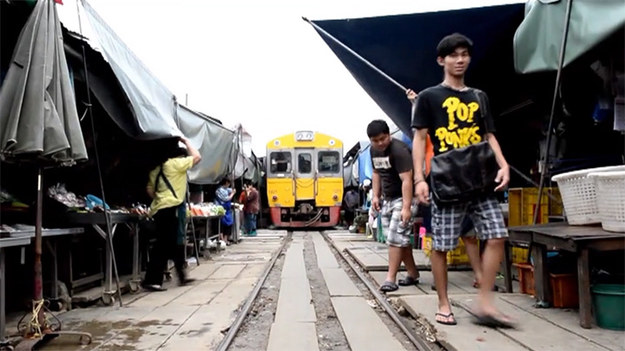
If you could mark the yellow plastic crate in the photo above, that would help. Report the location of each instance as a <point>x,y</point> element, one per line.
<point>522,205</point>
<point>519,254</point>
<point>458,256</point>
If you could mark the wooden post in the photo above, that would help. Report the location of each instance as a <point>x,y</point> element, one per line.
<point>583,286</point>
<point>506,267</point>
<point>541,275</point>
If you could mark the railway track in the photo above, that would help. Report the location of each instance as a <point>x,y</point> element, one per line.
<point>419,341</point>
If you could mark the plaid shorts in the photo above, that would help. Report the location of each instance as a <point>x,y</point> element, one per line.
<point>447,222</point>
<point>397,234</point>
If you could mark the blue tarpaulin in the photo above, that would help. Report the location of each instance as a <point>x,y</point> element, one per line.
<point>404,47</point>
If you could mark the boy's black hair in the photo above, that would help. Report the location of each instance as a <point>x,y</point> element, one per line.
<point>377,127</point>
<point>450,43</point>
<point>225,181</point>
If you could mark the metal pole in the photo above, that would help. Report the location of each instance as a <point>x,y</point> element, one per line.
<point>109,236</point>
<point>38,288</point>
<point>543,173</point>
<point>322,31</point>
<point>196,247</point>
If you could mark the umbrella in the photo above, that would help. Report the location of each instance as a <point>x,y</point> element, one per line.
<point>537,42</point>
<point>39,122</point>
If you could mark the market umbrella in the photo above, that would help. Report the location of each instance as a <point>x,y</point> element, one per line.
<point>537,41</point>
<point>39,122</point>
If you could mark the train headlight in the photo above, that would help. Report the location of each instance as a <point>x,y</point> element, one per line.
<point>274,198</point>
<point>335,197</point>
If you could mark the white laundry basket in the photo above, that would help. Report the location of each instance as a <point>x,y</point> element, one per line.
<point>579,195</point>
<point>611,199</point>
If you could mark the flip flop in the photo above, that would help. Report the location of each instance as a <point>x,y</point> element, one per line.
<point>477,285</point>
<point>493,322</point>
<point>388,286</point>
<point>408,281</point>
<point>446,316</point>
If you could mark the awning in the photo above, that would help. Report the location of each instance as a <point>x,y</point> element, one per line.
<point>214,142</point>
<point>538,39</point>
<point>145,109</point>
<point>152,103</point>
<point>404,47</point>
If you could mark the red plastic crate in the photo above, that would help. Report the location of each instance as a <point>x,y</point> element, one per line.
<point>526,278</point>
<point>564,290</point>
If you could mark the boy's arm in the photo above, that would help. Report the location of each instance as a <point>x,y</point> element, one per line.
<point>503,175</point>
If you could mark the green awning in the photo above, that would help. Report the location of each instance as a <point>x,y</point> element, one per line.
<point>538,39</point>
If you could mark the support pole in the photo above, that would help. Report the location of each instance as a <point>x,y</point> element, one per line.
<point>544,170</point>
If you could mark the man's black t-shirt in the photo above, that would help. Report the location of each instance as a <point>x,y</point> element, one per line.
<point>389,164</point>
<point>454,118</point>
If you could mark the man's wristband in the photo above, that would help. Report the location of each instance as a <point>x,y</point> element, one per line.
<point>419,181</point>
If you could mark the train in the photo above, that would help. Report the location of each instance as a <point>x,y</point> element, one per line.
<point>304,173</point>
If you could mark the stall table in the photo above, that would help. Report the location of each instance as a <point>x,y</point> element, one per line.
<point>7,242</point>
<point>23,238</point>
<point>207,231</point>
<point>98,222</point>
<point>562,236</point>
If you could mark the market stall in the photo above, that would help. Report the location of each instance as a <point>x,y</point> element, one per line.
<point>98,222</point>
<point>561,236</point>
<point>22,238</point>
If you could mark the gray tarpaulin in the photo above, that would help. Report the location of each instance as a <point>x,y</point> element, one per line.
<point>37,105</point>
<point>152,103</point>
<point>213,141</point>
<point>159,116</point>
<point>538,39</point>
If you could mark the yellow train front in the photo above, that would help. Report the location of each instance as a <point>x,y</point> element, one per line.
<point>305,179</point>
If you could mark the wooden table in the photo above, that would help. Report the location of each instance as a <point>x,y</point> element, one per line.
<point>562,236</point>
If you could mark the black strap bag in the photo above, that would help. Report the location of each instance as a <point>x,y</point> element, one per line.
<point>462,174</point>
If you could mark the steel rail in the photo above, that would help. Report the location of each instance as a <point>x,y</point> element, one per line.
<point>245,310</point>
<point>417,341</point>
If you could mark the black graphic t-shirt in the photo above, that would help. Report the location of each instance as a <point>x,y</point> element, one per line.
<point>454,118</point>
<point>389,164</point>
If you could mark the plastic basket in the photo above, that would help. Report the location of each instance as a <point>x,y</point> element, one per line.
<point>579,194</point>
<point>611,199</point>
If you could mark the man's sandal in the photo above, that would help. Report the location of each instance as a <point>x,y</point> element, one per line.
<point>388,286</point>
<point>408,281</point>
<point>450,319</point>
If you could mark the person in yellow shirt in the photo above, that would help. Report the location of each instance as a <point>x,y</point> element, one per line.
<point>167,186</point>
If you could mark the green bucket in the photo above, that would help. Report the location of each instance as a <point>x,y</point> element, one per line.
<point>609,304</point>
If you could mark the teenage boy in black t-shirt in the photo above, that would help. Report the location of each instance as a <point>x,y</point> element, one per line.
<point>455,116</point>
<point>393,200</point>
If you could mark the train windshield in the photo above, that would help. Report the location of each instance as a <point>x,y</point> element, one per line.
<point>280,162</point>
<point>329,162</point>
<point>304,163</point>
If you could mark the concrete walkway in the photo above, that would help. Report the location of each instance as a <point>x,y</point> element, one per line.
<point>192,317</point>
<point>539,329</point>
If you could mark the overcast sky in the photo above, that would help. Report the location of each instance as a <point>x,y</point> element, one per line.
<point>255,62</point>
